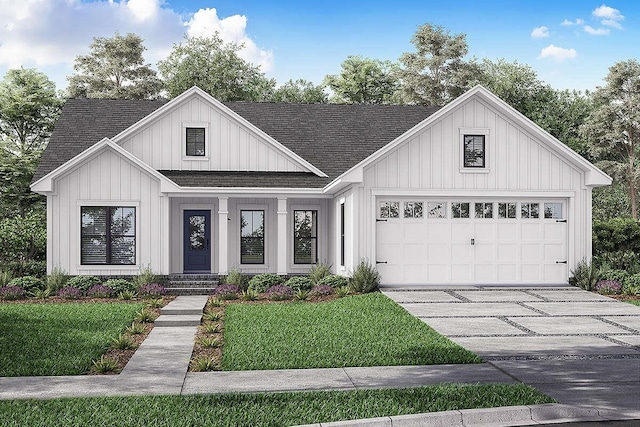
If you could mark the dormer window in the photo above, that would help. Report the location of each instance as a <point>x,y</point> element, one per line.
<point>195,140</point>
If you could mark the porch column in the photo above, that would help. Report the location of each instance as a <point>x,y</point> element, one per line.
<point>281,241</point>
<point>223,235</point>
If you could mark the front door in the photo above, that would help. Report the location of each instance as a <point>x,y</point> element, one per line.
<point>197,236</point>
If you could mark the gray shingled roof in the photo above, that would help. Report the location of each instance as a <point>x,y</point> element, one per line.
<point>332,137</point>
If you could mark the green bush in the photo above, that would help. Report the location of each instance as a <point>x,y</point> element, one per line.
<point>28,283</point>
<point>584,276</point>
<point>57,280</point>
<point>616,244</point>
<point>83,282</point>
<point>632,281</point>
<point>120,285</point>
<point>235,277</point>
<point>334,280</point>
<point>318,271</point>
<point>146,277</point>
<point>5,277</point>
<point>365,278</point>
<point>617,275</point>
<point>24,238</point>
<point>626,260</point>
<point>26,268</point>
<point>299,283</point>
<point>262,282</point>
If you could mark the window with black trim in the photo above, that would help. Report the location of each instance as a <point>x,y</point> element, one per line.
<point>484,210</point>
<point>195,140</point>
<point>460,210</point>
<point>108,235</point>
<point>413,209</point>
<point>305,237</point>
<point>342,227</point>
<point>529,210</point>
<point>506,210</point>
<point>474,151</point>
<point>252,237</point>
<point>389,209</point>
<point>553,210</point>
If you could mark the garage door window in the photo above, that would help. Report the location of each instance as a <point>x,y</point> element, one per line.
<point>529,210</point>
<point>460,210</point>
<point>437,209</point>
<point>506,210</point>
<point>413,209</point>
<point>553,210</point>
<point>389,209</point>
<point>484,210</point>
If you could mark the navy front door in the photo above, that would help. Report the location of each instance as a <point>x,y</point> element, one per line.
<point>197,236</point>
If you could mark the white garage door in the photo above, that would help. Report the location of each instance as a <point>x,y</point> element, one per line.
<point>471,241</point>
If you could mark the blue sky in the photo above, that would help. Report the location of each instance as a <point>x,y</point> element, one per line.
<point>571,44</point>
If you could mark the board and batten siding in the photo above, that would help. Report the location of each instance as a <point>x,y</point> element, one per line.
<point>231,145</point>
<point>106,177</point>
<point>429,164</point>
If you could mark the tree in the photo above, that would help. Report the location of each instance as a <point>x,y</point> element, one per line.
<point>300,92</point>
<point>216,68</point>
<point>364,81</point>
<point>115,68</point>
<point>436,73</point>
<point>613,128</point>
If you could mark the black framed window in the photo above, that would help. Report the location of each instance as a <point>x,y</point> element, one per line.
<point>474,151</point>
<point>305,237</point>
<point>529,210</point>
<point>460,210</point>
<point>252,237</point>
<point>108,235</point>
<point>342,220</point>
<point>195,141</point>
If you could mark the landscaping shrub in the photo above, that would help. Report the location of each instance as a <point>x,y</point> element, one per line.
<point>57,279</point>
<point>249,295</point>
<point>70,292</point>
<point>318,271</point>
<point>151,290</point>
<point>334,280</point>
<point>227,292</point>
<point>5,277</point>
<point>28,283</point>
<point>322,290</point>
<point>26,268</point>
<point>100,291</point>
<point>584,276</point>
<point>235,277</point>
<point>24,238</point>
<point>11,292</point>
<point>83,282</point>
<point>365,278</point>
<point>262,282</point>
<point>617,275</point>
<point>616,243</point>
<point>632,280</point>
<point>608,287</point>
<point>279,293</point>
<point>146,277</point>
<point>120,285</point>
<point>299,283</point>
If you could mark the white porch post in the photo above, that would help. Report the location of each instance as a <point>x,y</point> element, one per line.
<point>223,235</point>
<point>165,238</point>
<point>281,242</point>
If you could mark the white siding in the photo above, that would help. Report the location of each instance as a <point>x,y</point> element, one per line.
<point>231,147</point>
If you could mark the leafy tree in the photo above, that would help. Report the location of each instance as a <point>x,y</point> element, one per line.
<point>215,67</point>
<point>115,68</point>
<point>613,128</point>
<point>365,81</point>
<point>300,92</point>
<point>436,73</point>
<point>23,238</point>
<point>16,172</point>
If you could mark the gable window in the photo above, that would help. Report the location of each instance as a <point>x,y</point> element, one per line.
<point>252,237</point>
<point>474,151</point>
<point>108,235</point>
<point>305,237</point>
<point>195,141</point>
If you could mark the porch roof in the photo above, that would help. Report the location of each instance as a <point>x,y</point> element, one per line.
<point>245,179</point>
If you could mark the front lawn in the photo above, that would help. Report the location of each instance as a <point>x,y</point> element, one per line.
<point>364,330</point>
<point>58,339</point>
<point>271,409</point>
<point>634,301</point>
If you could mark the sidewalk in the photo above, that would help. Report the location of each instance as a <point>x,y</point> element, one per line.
<point>160,366</point>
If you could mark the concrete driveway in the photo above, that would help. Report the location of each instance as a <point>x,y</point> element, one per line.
<point>576,346</point>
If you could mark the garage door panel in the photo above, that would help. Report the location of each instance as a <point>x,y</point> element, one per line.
<point>484,273</point>
<point>415,274</point>
<point>438,231</point>
<point>392,253</point>
<point>461,273</point>
<point>530,252</point>
<point>530,231</point>
<point>414,232</point>
<point>484,231</point>
<point>391,232</point>
<point>413,254</point>
<point>554,272</point>
<point>485,253</point>
<point>508,252</point>
<point>461,231</point>
<point>437,273</point>
<point>507,273</point>
<point>391,274</point>
<point>553,252</point>
<point>438,252</point>
<point>530,273</point>
<point>507,231</point>
<point>461,253</point>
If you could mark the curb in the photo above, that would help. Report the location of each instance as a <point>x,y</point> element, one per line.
<point>504,416</point>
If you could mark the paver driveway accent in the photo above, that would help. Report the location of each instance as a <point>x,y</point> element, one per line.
<point>578,347</point>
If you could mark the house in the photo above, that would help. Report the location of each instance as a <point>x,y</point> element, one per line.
<point>471,193</point>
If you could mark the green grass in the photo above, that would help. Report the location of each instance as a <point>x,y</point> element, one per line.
<point>365,330</point>
<point>58,339</point>
<point>274,409</point>
<point>634,302</point>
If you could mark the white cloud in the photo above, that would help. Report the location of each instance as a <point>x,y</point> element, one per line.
<point>596,31</point>
<point>557,54</point>
<point>578,21</point>
<point>611,23</point>
<point>606,12</point>
<point>540,32</point>
<point>143,10</point>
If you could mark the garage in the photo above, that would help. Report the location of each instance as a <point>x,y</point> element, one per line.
<point>471,241</point>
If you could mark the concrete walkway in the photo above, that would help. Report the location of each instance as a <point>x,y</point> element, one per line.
<point>579,348</point>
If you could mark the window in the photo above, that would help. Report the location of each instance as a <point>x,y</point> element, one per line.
<point>553,210</point>
<point>389,209</point>
<point>195,140</point>
<point>413,209</point>
<point>474,151</point>
<point>529,210</point>
<point>252,237</point>
<point>460,210</point>
<point>108,235</point>
<point>342,225</point>
<point>506,210</point>
<point>305,237</point>
<point>484,210</point>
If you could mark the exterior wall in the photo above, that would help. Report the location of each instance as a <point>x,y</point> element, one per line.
<point>106,180</point>
<point>231,145</point>
<point>347,198</point>
<point>429,164</point>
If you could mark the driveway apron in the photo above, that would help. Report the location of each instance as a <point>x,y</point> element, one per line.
<point>578,347</point>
